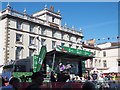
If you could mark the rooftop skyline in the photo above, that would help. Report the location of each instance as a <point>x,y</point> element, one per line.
<point>98,20</point>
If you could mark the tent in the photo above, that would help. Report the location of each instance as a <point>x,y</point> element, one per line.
<point>112,69</point>
<point>70,53</point>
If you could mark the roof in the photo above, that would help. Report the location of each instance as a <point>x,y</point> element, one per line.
<point>91,47</point>
<point>66,55</point>
<point>115,44</point>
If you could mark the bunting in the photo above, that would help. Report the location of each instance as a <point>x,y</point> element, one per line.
<point>108,38</point>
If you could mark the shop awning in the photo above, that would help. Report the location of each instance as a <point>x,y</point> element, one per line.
<point>70,53</point>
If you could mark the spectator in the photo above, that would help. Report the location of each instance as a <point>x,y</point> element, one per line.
<point>13,84</point>
<point>87,76</point>
<point>37,81</point>
<point>77,79</point>
<point>94,76</point>
<point>109,76</point>
<point>12,76</point>
<point>6,80</point>
<point>52,79</point>
<point>3,82</point>
<point>113,76</point>
<point>88,85</point>
<point>101,78</point>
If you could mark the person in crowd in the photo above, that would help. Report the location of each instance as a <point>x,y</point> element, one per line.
<point>14,84</point>
<point>112,85</point>
<point>12,76</point>
<point>94,76</point>
<point>101,77</point>
<point>87,76</point>
<point>88,85</point>
<point>61,67</point>
<point>83,77</point>
<point>6,80</point>
<point>65,76</point>
<point>59,77</point>
<point>113,76</point>
<point>109,76</point>
<point>3,82</point>
<point>77,78</point>
<point>37,81</point>
<point>52,79</point>
<point>23,78</point>
<point>118,79</point>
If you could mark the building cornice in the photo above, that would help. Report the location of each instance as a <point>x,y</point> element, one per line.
<point>27,20</point>
<point>44,36</point>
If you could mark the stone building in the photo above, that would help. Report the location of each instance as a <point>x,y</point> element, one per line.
<point>22,35</point>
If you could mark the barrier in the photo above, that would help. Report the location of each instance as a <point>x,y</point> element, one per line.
<point>54,85</point>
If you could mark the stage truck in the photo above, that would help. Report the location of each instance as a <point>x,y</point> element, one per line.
<point>47,62</point>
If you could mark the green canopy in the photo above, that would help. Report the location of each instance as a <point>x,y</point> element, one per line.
<point>70,53</point>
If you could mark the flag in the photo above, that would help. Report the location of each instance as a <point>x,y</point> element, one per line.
<point>41,57</point>
<point>108,38</point>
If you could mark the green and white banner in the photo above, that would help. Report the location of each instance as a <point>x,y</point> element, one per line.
<point>73,51</point>
<point>40,59</point>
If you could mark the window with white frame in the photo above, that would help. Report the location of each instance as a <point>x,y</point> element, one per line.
<point>31,28</point>
<point>62,44</point>
<point>43,41</point>
<point>104,53</point>
<point>70,37</point>
<point>70,45</point>
<point>19,25</point>
<point>104,63</point>
<point>53,44</point>
<point>91,62</point>
<point>43,31</point>
<point>53,19</point>
<point>31,52</point>
<point>53,33</point>
<point>99,63</point>
<point>94,52</point>
<point>95,62</point>
<point>118,62</point>
<point>19,37</point>
<point>62,34</point>
<point>18,52</point>
<point>32,40</point>
<point>77,47</point>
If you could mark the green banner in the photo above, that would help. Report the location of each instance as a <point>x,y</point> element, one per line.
<point>41,57</point>
<point>74,51</point>
<point>35,63</point>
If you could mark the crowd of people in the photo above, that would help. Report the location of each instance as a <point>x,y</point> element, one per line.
<point>109,80</point>
<point>10,84</point>
<point>90,81</point>
<point>87,76</point>
<point>14,83</point>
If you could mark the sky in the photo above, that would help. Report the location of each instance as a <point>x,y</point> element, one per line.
<point>98,20</point>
